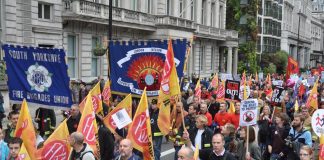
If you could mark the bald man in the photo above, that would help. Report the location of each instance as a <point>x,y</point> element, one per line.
<point>126,151</point>
<point>185,153</point>
<point>81,150</point>
<point>73,121</point>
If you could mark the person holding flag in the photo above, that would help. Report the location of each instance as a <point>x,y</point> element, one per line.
<point>74,118</point>
<point>157,135</point>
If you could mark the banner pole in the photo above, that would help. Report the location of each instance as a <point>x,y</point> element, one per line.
<point>247,138</point>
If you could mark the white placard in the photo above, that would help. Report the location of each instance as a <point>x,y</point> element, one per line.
<point>248,112</point>
<point>248,91</point>
<point>225,76</point>
<point>277,82</point>
<point>318,122</point>
<point>121,118</point>
<point>260,76</point>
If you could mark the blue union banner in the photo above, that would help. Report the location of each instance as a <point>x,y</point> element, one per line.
<point>136,65</point>
<point>37,74</point>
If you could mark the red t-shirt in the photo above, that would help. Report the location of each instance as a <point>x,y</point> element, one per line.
<point>209,118</point>
<point>235,119</point>
<point>222,118</point>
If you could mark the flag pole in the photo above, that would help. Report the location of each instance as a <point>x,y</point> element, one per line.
<point>247,138</point>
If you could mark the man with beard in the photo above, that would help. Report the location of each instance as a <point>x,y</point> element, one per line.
<point>126,151</point>
<point>299,136</point>
<point>73,121</point>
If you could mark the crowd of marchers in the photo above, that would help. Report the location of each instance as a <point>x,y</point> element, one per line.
<point>205,124</point>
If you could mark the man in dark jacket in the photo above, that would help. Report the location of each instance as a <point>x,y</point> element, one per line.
<point>157,135</point>
<point>45,118</point>
<point>201,135</point>
<point>106,140</point>
<point>74,119</point>
<point>218,151</point>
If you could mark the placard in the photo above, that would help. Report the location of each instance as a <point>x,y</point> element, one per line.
<point>225,76</point>
<point>248,92</point>
<point>232,89</point>
<point>121,118</point>
<point>248,112</point>
<point>277,96</point>
<point>318,122</point>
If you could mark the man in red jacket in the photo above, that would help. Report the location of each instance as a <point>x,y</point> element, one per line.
<point>235,117</point>
<point>222,117</point>
<point>204,111</point>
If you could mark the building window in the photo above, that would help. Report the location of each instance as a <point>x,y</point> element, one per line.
<point>202,58</point>
<point>168,6</point>
<point>149,6</point>
<point>181,6</point>
<point>72,56</point>
<point>115,3</point>
<point>134,5</point>
<point>94,59</point>
<point>203,8</point>
<point>212,16</point>
<point>192,10</point>
<point>212,61</point>
<point>44,11</point>
<point>221,20</point>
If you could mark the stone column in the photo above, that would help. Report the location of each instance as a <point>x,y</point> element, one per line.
<point>198,11</point>
<point>235,59</point>
<point>175,8</point>
<point>229,60</point>
<point>187,12</point>
<point>302,57</point>
<point>295,52</point>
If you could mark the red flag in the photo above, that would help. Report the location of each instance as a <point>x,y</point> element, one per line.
<point>221,91</point>
<point>140,130</point>
<point>301,90</point>
<point>292,67</point>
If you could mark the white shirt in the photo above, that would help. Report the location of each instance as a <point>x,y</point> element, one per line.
<point>198,137</point>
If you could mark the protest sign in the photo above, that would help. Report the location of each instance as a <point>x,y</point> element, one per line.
<point>277,82</point>
<point>247,89</point>
<point>322,76</point>
<point>225,76</point>
<point>260,76</point>
<point>248,112</point>
<point>277,96</point>
<point>232,89</point>
<point>121,118</point>
<point>318,122</point>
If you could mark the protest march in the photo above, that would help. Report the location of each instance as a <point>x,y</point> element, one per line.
<point>147,98</point>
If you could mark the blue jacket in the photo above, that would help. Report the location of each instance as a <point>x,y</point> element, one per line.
<point>4,150</point>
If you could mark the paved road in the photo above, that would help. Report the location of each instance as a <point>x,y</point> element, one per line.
<point>167,152</point>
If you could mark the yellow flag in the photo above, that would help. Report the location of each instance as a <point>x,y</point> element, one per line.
<point>231,108</point>
<point>23,154</point>
<point>196,153</point>
<point>96,99</point>
<point>256,77</point>
<point>88,126</point>
<point>244,86</point>
<point>57,145</point>
<point>25,130</point>
<point>214,82</point>
<point>321,146</point>
<point>296,106</point>
<point>140,130</point>
<point>198,90</point>
<point>106,93</point>
<point>126,104</point>
<point>312,98</point>
<point>169,87</point>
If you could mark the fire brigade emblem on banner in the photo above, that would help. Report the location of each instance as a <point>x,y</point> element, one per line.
<point>136,65</point>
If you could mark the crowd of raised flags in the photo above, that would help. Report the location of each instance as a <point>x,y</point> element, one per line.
<point>57,145</point>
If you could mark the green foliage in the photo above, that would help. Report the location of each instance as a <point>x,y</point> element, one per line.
<point>271,68</point>
<point>279,59</point>
<point>233,14</point>
<point>249,62</point>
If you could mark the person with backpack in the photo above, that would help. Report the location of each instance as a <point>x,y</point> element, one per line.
<point>298,136</point>
<point>81,150</point>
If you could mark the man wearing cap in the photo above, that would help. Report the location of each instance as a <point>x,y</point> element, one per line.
<point>157,135</point>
